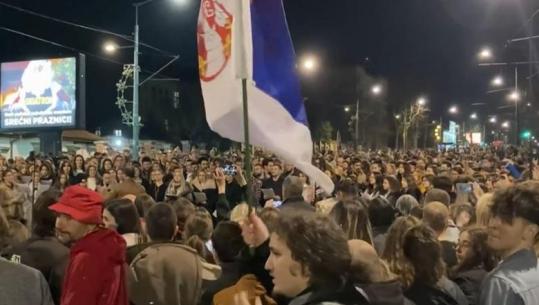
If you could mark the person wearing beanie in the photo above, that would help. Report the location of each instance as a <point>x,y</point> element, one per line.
<point>95,274</point>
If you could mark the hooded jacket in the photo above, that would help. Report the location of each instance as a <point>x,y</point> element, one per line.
<point>96,273</point>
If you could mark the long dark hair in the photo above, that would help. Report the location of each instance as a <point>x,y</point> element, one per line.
<point>423,250</point>
<point>102,167</point>
<point>481,255</point>
<point>126,216</point>
<point>378,181</point>
<point>43,223</point>
<point>74,165</point>
<point>352,216</point>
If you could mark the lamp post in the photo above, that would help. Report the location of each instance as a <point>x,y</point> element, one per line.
<point>111,47</point>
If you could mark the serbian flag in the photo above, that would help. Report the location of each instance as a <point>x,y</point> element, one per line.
<point>249,39</point>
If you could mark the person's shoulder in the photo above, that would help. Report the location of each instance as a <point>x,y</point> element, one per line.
<point>165,251</point>
<point>11,270</point>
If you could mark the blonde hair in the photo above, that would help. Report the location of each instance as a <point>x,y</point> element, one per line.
<point>240,213</point>
<point>483,209</point>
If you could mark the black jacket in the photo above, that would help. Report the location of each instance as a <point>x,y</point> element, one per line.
<point>469,282</point>
<point>347,295</point>
<point>296,205</point>
<point>158,192</point>
<point>253,261</point>
<point>449,253</point>
<point>387,293</point>
<point>422,294</point>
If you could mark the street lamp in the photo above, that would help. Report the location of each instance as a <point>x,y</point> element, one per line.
<point>497,81</point>
<point>453,110</point>
<point>514,96</point>
<point>421,101</point>
<point>473,116</point>
<point>505,124</point>
<point>347,109</point>
<point>397,116</point>
<point>485,53</point>
<point>309,64</point>
<point>376,89</point>
<point>110,47</point>
<point>492,120</point>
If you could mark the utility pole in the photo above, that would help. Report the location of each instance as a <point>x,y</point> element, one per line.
<point>136,119</point>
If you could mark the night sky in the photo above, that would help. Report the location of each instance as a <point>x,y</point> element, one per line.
<point>420,47</point>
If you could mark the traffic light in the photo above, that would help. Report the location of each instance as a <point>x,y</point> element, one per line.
<point>526,134</point>
<point>438,133</point>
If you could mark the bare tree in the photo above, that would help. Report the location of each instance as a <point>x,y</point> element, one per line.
<point>410,118</point>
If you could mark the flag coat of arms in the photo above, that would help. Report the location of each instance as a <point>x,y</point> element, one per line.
<point>249,39</point>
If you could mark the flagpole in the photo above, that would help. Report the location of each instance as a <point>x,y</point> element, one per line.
<point>247,143</point>
<point>243,74</point>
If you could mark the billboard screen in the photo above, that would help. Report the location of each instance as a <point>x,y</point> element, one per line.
<point>38,93</point>
<point>450,135</point>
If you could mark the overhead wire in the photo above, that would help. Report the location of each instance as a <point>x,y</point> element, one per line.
<point>17,32</point>
<point>85,27</point>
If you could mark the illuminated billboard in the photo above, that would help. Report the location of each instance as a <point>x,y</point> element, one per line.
<point>38,93</point>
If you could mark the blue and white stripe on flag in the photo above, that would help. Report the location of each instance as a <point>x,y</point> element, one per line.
<point>250,39</point>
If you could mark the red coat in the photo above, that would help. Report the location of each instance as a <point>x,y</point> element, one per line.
<point>96,271</point>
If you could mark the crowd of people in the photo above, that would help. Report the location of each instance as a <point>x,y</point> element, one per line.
<point>174,227</point>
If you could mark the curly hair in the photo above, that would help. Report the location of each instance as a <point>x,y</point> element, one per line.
<point>481,255</point>
<point>393,253</point>
<point>319,245</point>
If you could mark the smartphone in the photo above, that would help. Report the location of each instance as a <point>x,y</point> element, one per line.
<point>229,170</point>
<point>464,187</point>
<point>268,194</point>
<point>277,203</point>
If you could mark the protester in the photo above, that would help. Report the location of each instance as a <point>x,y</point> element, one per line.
<point>126,187</point>
<point>197,234</point>
<point>292,192</point>
<point>381,216</point>
<point>22,285</point>
<point>392,189</point>
<point>121,216</point>
<point>43,251</point>
<point>512,233</point>
<point>276,179</point>
<point>405,204</point>
<point>352,217</point>
<point>372,275</point>
<point>475,260</point>
<point>393,252</point>
<point>184,209</point>
<point>95,273</point>
<point>164,272</point>
<point>309,261</point>
<point>429,286</point>
<point>213,181</point>
<point>436,216</point>
<point>227,243</point>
